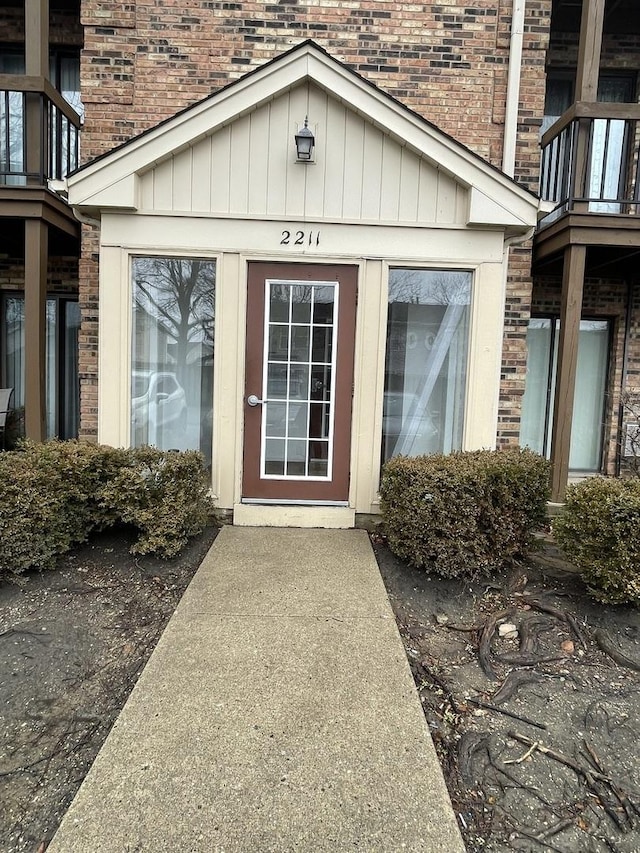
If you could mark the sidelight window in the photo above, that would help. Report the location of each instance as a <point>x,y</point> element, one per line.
<point>426,363</point>
<point>591,378</point>
<point>172,353</point>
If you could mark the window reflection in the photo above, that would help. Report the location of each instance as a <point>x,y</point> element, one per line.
<point>62,325</point>
<point>172,354</point>
<point>426,363</point>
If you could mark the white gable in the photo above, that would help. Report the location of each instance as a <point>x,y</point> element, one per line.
<point>248,169</point>
<point>233,155</point>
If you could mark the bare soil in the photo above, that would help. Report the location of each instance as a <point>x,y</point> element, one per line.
<point>72,644</point>
<point>582,795</point>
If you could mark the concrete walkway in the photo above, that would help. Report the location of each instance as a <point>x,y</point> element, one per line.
<point>277,713</point>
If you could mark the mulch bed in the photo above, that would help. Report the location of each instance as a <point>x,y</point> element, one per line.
<point>538,732</point>
<point>72,644</point>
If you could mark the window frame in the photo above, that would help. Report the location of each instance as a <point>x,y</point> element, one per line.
<point>554,318</point>
<point>471,305</point>
<point>60,394</point>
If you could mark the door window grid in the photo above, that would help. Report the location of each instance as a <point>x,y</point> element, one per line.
<point>299,380</point>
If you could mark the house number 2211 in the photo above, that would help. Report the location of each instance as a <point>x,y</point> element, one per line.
<point>300,238</point>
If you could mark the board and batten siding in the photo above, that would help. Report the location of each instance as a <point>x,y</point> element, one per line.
<point>360,173</point>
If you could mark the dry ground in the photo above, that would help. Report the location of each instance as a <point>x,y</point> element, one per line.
<point>585,795</point>
<point>72,644</point>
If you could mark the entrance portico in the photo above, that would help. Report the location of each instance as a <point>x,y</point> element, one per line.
<point>316,317</point>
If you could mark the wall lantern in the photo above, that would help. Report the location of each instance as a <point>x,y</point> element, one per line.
<point>305,142</point>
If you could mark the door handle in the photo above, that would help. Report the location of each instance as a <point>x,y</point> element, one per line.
<point>252,400</point>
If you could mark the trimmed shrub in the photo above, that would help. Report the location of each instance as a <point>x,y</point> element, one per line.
<point>33,517</point>
<point>14,430</point>
<point>53,495</point>
<point>465,512</point>
<point>164,495</point>
<point>599,530</point>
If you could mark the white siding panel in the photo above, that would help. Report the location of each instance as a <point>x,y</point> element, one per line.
<point>427,193</point>
<point>182,179</point>
<point>446,207</point>
<point>354,164</point>
<point>390,191</point>
<point>409,185</point>
<point>239,165</point>
<point>280,150</point>
<point>296,172</point>
<point>333,158</point>
<point>163,186</point>
<point>315,172</point>
<point>201,178</point>
<point>258,159</point>
<point>248,169</point>
<point>372,172</point>
<point>220,171</point>
<point>146,190</point>
<point>462,204</point>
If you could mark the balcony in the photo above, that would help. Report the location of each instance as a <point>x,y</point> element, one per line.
<point>39,132</point>
<point>589,173</point>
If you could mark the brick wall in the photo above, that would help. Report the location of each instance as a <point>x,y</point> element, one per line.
<point>62,274</point>
<point>449,62</point>
<point>619,53</point>
<point>144,60</point>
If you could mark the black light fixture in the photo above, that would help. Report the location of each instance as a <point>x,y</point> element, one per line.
<point>305,142</point>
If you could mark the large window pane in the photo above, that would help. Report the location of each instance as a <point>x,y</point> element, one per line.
<point>172,353</point>
<point>70,419</point>
<point>13,347</point>
<point>11,124</point>
<point>534,403</point>
<point>588,408</point>
<point>426,365</point>
<point>61,360</point>
<point>52,367</point>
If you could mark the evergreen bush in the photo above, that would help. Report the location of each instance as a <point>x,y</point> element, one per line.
<point>464,512</point>
<point>53,495</point>
<point>599,530</point>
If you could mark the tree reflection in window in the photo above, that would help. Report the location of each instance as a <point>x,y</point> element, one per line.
<point>172,353</point>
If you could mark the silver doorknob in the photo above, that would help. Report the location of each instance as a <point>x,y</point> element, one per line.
<point>252,400</point>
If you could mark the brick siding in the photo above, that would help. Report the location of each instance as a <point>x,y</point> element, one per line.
<point>62,274</point>
<point>64,27</point>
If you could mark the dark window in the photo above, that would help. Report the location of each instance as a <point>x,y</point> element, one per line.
<point>62,384</point>
<point>587,427</point>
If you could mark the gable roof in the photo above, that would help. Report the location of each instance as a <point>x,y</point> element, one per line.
<point>111,180</point>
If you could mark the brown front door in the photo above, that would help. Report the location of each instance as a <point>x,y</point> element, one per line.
<point>299,379</point>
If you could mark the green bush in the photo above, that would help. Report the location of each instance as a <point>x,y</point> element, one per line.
<point>53,495</point>
<point>465,512</point>
<point>599,530</point>
<point>33,518</point>
<point>164,495</point>
<point>14,430</point>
